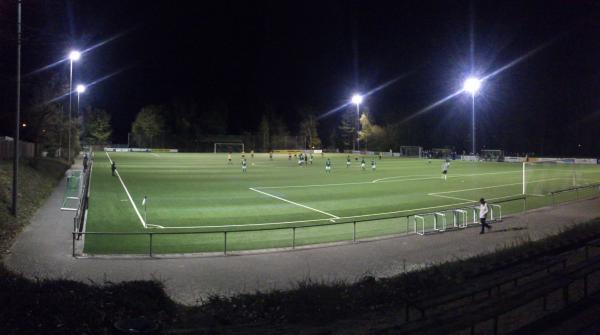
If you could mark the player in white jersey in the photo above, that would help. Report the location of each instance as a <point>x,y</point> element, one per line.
<point>445,166</point>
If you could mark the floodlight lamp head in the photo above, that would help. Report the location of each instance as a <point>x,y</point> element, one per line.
<point>472,85</point>
<point>74,55</point>
<point>80,88</point>
<point>357,99</point>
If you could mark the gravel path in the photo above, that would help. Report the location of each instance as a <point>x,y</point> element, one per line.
<point>43,250</point>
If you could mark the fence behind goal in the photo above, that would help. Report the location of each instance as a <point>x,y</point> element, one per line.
<point>543,178</point>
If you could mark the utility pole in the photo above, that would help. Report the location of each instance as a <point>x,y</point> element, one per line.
<point>17,116</point>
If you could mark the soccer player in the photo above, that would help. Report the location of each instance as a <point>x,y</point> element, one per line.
<point>300,159</point>
<point>328,166</point>
<point>113,168</point>
<point>445,166</point>
<point>483,210</point>
<point>362,164</point>
<point>373,166</point>
<point>380,155</point>
<point>270,155</point>
<point>244,165</point>
<point>229,158</point>
<point>252,153</point>
<point>348,161</point>
<point>311,159</point>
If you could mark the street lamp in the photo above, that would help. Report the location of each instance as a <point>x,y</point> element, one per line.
<point>357,100</point>
<point>74,56</point>
<point>79,89</point>
<point>471,86</point>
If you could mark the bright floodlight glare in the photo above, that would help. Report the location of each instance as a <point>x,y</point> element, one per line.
<point>74,55</point>
<point>472,85</point>
<point>80,88</point>
<point>357,99</point>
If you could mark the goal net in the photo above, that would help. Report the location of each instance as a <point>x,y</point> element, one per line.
<point>542,178</point>
<point>492,155</point>
<point>410,151</point>
<point>442,153</point>
<point>229,147</point>
<point>72,192</point>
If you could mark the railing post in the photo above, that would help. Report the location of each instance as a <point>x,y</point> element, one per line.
<point>73,244</point>
<point>354,231</point>
<point>293,237</point>
<point>224,243</point>
<point>524,203</point>
<point>150,251</point>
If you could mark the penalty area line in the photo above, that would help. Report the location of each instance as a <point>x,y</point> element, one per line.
<point>128,195</point>
<point>294,203</point>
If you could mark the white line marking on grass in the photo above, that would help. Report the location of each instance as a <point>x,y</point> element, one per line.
<point>155,155</point>
<point>340,218</point>
<point>450,197</point>
<point>449,176</point>
<point>495,186</point>
<point>128,195</point>
<point>383,180</point>
<point>294,203</point>
<point>155,226</point>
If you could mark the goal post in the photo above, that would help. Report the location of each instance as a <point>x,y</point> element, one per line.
<point>228,147</point>
<point>492,155</point>
<point>542,177</point>
<point>73,189</point>
<point>411,151</point>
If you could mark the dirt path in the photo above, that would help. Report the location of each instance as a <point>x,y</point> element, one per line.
<point>43,250</point>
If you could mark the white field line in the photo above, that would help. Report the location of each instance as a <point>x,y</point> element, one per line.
<point>341,218</point>
<point>128,195</point>
<point>496,186</point>
<point>155,155</point>
<point>294,203</point>
<point>426,177</point>
<point>450,197</point>
<point>449,176</point>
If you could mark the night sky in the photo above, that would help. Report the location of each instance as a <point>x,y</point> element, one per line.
<point>284,55</point>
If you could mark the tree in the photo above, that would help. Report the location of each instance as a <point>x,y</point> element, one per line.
<point>308,130</point>
<point>98,126</point>
<point>280,134</point>
<point>264,132</point>
<point>347,129</point>
<point>148,125</point>
<point>372,135</point>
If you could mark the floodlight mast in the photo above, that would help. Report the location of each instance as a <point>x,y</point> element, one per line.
<point>74,56</point>
<point>357,100</point>
<point>80,89</point>
<point>471,86</point>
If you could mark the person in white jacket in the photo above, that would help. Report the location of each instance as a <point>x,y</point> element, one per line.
<point>483,210</point>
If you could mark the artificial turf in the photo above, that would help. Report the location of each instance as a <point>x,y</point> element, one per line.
<point>189,193</point>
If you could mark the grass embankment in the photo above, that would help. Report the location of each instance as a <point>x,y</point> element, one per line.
<point>37,179</point>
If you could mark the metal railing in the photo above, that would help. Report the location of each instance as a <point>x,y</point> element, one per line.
<point>576,189</point>
<point>79,218</point>
<point>407,225</point>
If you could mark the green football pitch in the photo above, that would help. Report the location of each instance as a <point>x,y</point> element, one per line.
<point>192,198</point>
